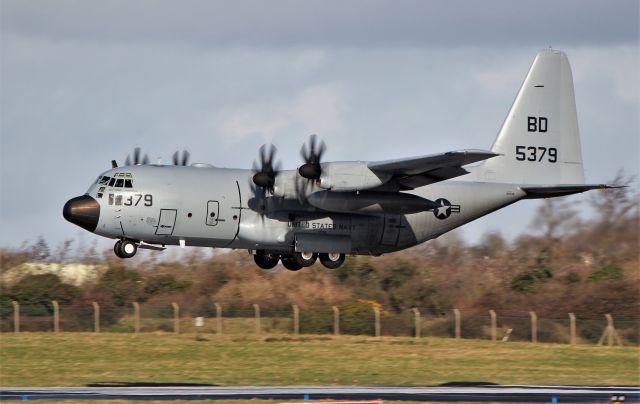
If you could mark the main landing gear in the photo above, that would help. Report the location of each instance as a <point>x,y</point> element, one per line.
<point>297,260</point>
<point>125,248</point>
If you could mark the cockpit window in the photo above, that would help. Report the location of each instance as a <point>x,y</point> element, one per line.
<point>104,180</point>
<point>127,184</point>
<point>112,181</point>
<point>119,182</point>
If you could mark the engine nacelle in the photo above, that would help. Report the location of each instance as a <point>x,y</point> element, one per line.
<point>350,176</point>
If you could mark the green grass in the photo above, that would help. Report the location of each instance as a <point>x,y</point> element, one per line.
<point>77,359</point>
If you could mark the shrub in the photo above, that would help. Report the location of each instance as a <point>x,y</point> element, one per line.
<point>609,272</point>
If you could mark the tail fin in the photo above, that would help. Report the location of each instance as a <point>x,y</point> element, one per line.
<point>539,141</point>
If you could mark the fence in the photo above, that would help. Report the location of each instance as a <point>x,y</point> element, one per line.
<point>357,318</point>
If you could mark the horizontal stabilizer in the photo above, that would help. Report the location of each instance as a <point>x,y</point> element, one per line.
<point>551,191</point>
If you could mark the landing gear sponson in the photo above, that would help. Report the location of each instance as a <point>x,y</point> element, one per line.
<point>297,260</point>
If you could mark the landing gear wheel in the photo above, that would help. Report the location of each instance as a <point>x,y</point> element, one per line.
<point>332,260</point>
<point>265,260</point>
<point>127,249</point>
<point>305,259</point>
<point>116,249</point>
<point>291,264</point>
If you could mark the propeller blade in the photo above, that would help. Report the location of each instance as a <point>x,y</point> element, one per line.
<point>127,161</point>
<point>265,172</point>
<point>311,153</point>
<point>175,158</point>
<point>136,156</point>
<point>185,158</point>
<point>114,164</point>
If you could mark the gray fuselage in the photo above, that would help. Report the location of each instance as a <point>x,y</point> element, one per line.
<point>217,207</point>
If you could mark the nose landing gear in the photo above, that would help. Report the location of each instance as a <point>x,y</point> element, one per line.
<point>125,248</point>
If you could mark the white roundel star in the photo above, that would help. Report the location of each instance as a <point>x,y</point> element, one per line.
<point>443,211</point>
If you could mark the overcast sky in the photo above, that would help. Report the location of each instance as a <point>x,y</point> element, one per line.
<point>84,82</point>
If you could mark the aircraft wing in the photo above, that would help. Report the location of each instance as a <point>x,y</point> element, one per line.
<point>416,172</point>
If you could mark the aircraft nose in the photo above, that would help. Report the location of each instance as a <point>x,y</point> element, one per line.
<point>83,211</point>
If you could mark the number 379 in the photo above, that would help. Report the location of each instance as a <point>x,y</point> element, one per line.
<point>533,153</point>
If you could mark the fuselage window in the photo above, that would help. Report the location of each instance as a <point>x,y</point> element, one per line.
<point>119,183</point>
<point>99,195</point>
<point>128,184</point>
<point>112,181</point>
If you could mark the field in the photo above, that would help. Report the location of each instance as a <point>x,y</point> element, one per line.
<point>78,359</point>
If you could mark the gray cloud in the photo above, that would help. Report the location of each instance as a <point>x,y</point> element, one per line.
<point>358,23</point>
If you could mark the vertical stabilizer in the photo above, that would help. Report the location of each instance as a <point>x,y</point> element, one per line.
<point>539,141</point>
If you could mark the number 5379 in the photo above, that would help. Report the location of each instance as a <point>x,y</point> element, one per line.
<point>533,153</point>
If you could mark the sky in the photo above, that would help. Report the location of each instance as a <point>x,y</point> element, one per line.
<point>84,82</point>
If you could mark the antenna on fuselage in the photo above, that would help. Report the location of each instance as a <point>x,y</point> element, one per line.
<point>114,164</point>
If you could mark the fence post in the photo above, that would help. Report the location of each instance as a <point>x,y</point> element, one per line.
<point>494,325</point>
<point>218,318</point>
<point>56,316</point>
<point>96,316</point>
<point>296,319</point>
<point>256,310</point>
<point>336,320</point>
<point>376,315</point>
<point>416,321</point>
<point>16,316</point>
<point>534,327</point>
<point>610,333</point>
<point>572,329</point>
<point>456,315</point>
<point>136,316</point>
<point>176,318</point>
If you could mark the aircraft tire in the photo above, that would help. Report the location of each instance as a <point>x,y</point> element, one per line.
<point>332,260</point>
<point>305,259</point>
<point>291,264</point>
<point>116,249</point>
<point>266,261</point>
<point>127,249</point>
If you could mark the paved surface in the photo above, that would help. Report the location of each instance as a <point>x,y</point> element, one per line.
<point>517,394</point>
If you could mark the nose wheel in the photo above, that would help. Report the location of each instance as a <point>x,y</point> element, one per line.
<point>125,248</point>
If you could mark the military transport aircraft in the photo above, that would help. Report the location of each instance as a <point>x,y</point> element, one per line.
<point>324,210</point>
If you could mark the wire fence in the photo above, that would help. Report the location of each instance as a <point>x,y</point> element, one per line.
<point>357,318</point>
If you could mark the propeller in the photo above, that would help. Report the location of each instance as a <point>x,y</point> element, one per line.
<point>181,162</point>
<point>311,153</point>
<point>265,174</point>
<point>136,158</point>
<point>310,172</point>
